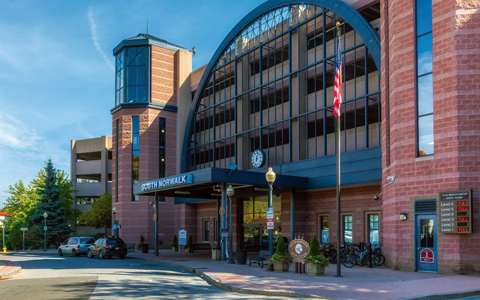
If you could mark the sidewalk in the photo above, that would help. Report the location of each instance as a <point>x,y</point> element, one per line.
<point>356,283</point>
<point>8,268</point>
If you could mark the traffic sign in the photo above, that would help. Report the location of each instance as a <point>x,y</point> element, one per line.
<point>426,256</point>
<point>3,225</point>
<point>270,213</point>
<point>182,237</point>
<point>221,211</point>
<point>224,232</point>
<point>23,229</point>
<point>269,225</point>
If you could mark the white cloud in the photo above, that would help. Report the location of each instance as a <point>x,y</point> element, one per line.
<point>94,34</point>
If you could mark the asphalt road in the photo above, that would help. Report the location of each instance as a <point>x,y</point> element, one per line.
<point>53,277</point>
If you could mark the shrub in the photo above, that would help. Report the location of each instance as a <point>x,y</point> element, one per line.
<point>175,242</point>
<point>281,248</point>
<point>52,246</point>
<point>142,240</point>
<point>33,237</point>
<point>15,238</point>
<point>189,242</point>
<point>319,260</point>
<point>314,246</point>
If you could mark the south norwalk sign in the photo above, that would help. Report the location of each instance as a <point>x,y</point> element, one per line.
<point>167,182</point>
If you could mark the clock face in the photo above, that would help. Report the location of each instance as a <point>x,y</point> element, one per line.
<point>258,158</point>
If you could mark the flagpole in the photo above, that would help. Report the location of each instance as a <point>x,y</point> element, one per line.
<point>339,221</point>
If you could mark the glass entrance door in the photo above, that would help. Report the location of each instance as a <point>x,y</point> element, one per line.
<point>426,243</point>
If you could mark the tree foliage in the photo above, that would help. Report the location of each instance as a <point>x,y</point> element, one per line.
<point>100,213</point>
<point>21,203</point>
<point>15,237</point>
<point>51,202</point>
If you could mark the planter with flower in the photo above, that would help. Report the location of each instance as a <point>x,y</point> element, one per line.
<point>281,261</point>
<point>315,261</point>
<point>174,244</point>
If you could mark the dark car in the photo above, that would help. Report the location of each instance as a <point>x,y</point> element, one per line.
<point>108,247</point>
<point>75,246</point>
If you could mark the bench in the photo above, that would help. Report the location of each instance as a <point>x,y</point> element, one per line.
<point>194,247</point>
<point>130,247</point>
<point>261,259</point>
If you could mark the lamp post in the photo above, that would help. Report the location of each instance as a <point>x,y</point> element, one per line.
<point>270,176</point>
<point>114,210</point>
<point>45,215</point>
<point>230,193</point>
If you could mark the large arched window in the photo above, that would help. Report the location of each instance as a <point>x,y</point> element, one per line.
<point>272,89</point>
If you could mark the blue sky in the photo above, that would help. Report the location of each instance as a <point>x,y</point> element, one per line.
<point>56,67</point>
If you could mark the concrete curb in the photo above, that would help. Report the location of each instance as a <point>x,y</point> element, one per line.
<point>18,269</point>
<point>446,296</point>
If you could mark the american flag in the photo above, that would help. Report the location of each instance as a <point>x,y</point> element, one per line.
<point>337,91</point>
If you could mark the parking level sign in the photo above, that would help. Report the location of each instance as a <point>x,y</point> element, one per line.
<point>270,218</point>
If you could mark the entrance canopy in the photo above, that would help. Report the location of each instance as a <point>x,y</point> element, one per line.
<point>206,184</point>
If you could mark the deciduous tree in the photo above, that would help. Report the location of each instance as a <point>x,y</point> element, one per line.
<point>100,213</point>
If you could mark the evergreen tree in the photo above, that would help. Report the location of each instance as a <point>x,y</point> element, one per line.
<point>281,248</point>
<point>52,203</point>
<point>314,246</point>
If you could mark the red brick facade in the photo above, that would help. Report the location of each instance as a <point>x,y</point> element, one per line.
<point>454,165</point>
<point>456,73</point>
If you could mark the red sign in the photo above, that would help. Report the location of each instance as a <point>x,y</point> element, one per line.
<point>270,220</point>
<point>426,256</point>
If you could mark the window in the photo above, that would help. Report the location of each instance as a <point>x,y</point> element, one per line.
<point>347,229</point>
<point>73,241</point>
<point>272,89</point>
<point>116,166</point>
<point>119,78</point>
<point>135,154</point>
<point>86,241</point>
<point>131,80</point>
<point>161,147</point>
<point>373,229</point>
<point>206,231</point>
<point>85,200</point>
<point>424,59</point>
<point>324,229</point>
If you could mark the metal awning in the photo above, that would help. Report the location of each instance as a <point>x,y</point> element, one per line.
<point>204,185</point>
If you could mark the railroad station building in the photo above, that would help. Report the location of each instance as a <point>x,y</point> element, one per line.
<point>410,128</point>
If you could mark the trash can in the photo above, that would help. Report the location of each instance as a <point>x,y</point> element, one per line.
<point>216,253</point>
<point>241,256</point>
<point>57,245</point>
<point>145,248</point>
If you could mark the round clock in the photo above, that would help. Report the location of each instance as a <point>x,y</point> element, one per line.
<point>258,158</point>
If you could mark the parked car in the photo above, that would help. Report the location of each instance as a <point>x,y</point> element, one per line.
<point>108,247</point>
<point>76,246</point>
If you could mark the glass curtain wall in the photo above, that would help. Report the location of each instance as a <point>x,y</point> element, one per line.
<point>131,80</point>
<point>272,89</point>
<point>135,154</point>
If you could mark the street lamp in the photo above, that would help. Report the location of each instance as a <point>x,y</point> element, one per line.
<point>230,193</point>
<point>114,210</point>
<point>45,215</point>
<point>270,176</point>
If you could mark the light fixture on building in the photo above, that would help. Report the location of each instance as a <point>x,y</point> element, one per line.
<point>194,50</point>
<point>403,216</point>
<point>182,192</point>
<point>230,191</point>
